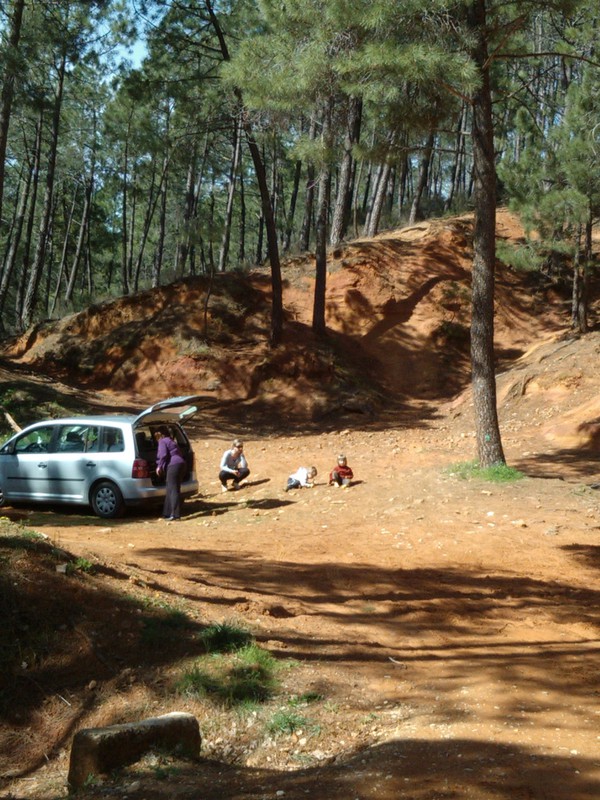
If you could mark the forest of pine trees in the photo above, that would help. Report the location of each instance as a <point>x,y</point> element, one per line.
<point>252,129</point>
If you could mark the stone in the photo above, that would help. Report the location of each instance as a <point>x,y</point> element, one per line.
<point>97,751</point>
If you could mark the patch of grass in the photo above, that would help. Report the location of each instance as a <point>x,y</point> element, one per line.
<point>224,638</point>
<point>286,721</point>
<point>80,565</point>
<point>305,699</point>
<point>497,473</point>
<point>236,679</point>
<point>158,630</point>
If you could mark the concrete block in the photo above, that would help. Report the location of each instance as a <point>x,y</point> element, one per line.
<point>97,751</point>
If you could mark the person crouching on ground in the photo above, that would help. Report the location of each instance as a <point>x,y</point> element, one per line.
<point>341,474</point>
<point>171,463</point>
<point>302,478</point>
<point>234,467</point>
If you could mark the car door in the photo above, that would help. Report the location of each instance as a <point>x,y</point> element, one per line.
<point>72,464</point>
<point>25,465</point>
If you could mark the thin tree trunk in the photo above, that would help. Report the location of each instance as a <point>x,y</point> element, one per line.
<point>20,294</point>
<point>309,197</point>
<point>235,160</point>
<point>458,155</point>
<point>8,89</point>
<point>183,246</point>
<point>293,200</point>
<point>267,209</point>
<point>579,293</point>
<point>318,320</point>
<point>242,236</point>
<point>154,194</point>
<point>160,245</point>
<point>62,267</point>
<point>37,267</point>
<point>124,211</point>
<point>423,178</point>
<point>15,239</point>
<point>343,201</point>
<point>85,221</point>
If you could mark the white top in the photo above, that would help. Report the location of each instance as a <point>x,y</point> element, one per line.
<point>230,463</point>
<point>302,475</point>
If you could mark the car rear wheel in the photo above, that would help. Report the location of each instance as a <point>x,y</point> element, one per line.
<point>2,498</point>
<point>107,500</point>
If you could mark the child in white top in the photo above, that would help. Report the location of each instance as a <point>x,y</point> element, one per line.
<point>303,477</point>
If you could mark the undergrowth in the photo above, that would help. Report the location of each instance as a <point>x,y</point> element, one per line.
<point>497,473</point>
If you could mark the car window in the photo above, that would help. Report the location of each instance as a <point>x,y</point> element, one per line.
<point>145,441</point>
<point>111,440</point>
<point>90,436</point>
<point>72,438</point>
<point>36,441</point>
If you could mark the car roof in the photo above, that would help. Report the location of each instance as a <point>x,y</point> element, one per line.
<point>173,409</point>
<point>98,419</point>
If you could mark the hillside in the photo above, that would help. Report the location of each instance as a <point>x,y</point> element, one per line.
<point>434,636</point>
<point>398,310</point>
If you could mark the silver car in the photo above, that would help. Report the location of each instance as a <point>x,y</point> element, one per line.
<point>106,462</point>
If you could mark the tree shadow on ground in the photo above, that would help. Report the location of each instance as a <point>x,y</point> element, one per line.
<point>403,768</point>
<point>569,464</point>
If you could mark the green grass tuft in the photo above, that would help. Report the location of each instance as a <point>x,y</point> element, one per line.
<point>238,679</point>
<point>224,638</point>
<point>286,721</point>
<point>497,473</point>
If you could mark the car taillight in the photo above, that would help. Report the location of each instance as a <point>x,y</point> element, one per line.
<point>140,469</point>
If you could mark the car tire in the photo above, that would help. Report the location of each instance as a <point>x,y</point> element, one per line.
<point>2,498</point>
<point>107,500</point>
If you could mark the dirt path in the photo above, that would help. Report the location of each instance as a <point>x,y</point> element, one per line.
<point>450,626</point>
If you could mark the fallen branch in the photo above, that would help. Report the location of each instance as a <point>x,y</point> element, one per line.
<point>10,420</point>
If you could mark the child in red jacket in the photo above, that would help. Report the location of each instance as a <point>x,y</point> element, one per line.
<point>341,474</point>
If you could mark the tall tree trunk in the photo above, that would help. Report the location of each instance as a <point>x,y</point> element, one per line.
<point>318,320</point>
<point>62,267</point>
<point>267,209</point>
<point>579,291</point>
<point>154,194</point>
<point>15,239</point>
<point>309,197</point>
<point>124,211</point>
<point>85,221</point>
<point>183,246</point>
<point>9,73</point>
<point>162,224</point>
<point>489,444</point>
<point>380,190</point>
<point>235,160</point>
<point>30,299</point>
<point>343,201</point>
<point>28,244</point>
<point>423,178</point>
<point>242,229</point>
<point>293,200</point>
<point>458,159</point>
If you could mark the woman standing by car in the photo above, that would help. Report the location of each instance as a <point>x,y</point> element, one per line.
<point>170,463</point>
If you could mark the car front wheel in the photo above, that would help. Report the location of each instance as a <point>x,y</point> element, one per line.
<point>2,498</point>
<point>107,500</point>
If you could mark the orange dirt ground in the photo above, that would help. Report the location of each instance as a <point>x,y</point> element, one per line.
<point>446,630</point>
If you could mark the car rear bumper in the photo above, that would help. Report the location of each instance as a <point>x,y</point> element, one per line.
<point>139,491</point>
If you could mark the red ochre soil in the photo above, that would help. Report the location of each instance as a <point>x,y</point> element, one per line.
<point>438,637</point>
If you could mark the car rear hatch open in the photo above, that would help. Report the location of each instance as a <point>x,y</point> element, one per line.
<point>174,409</point>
